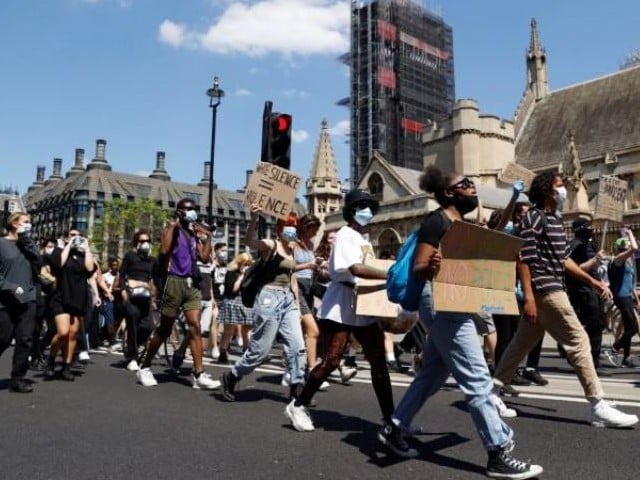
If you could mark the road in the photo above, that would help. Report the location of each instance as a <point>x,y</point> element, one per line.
<point>105,426</point>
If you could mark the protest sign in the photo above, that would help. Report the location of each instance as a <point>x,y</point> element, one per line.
<point>513,172</point>
<point>611,195</point>
<point>375,303</point>
<point>478,271</point>
<point>273,189</point>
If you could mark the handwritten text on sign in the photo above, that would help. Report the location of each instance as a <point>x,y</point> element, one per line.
<point>513,172</point>
<point>611,195</point>
<point>273,189</point>
<point>478,271</point>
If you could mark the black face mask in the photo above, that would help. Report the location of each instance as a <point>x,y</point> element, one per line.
<point>465,204</point>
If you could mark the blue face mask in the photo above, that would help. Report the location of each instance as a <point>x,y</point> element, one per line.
<point>509,228</point>
<point>363,216</point>
<point>289,233</point>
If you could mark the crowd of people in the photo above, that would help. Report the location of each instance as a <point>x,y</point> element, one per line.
<point>57,303</point>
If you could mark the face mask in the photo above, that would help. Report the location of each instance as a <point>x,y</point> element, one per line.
<point>561,196</point>
<point>222,256</point>
<point>191,216</point>
<point>465,204</point>
<point>48,250</point>
<point>144,248</point>
<point>509,228</point>
<point>24,229</point>
<point>585,233</point>
<point>363,217</point>
<point>289,233</point>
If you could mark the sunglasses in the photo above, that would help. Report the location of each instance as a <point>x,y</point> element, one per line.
<point>464,184</point>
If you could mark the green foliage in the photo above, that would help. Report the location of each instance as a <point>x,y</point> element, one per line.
<point>121,219</point>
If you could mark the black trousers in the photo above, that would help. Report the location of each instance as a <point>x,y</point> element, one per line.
<point>137,316</point>
<point>506,326</point>
<point>589,309</point>
<point>18,322</point>
<point>628,314</point>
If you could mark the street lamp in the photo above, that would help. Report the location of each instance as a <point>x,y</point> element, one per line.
<point>215,94</point>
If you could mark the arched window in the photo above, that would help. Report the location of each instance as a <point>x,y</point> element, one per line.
<point>375,186</point>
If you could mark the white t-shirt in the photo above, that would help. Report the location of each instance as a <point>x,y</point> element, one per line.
<point>338,302</point>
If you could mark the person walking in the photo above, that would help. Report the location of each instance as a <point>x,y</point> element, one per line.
<point>452,345</point>
<point>20,263</point>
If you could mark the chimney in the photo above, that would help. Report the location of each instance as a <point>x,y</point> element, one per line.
<point>248,174</point>
<point>160,172</point>
<point>40,174</point>
<point>57,168</point>
<point>205,176</point>
<point>100,160</point>
<point>78,166</point>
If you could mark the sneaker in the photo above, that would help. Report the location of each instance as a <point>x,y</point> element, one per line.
<point>223,358</point>
<point>631,362</point>
<point>391,436</point>
<point>133,366</point>
<point>83,356</point>
<point>66,373</point>
<point>534,376</point>
<point>509,390</point>
<point>397,367</point>
<point>612,358</point>
<point>285,381</point>
<point>39,365</point>
<point>176,361</point>
<point>520,380</point>
<point>502,465</point>
<point>503,410</point>
<point>204,382</point>
<point>603,414</point>
<point>116,348</point>
<point>324,386</point>
<point>215,353</point>
<point>412,430</point>
<point>347,373</point>
<point>20,385</point>
<point>299,417</point>
<point>228,382</point>
<point>146,378</point>
<point>50,369</point>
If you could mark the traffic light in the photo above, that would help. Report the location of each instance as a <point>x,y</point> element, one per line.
<point>277,139</point>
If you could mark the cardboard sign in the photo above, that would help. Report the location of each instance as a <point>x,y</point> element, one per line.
<point>478,271</point>
<point>273,188</point>
<point>611,195</point>
<point>375,304</point>
<point>513,172</point>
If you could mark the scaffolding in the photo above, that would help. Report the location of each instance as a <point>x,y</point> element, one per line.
<point>402,79</point>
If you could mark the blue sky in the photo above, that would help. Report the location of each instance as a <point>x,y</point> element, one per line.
<point>135,72</point>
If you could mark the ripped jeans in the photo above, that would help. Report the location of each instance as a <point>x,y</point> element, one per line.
<point>275,312</point>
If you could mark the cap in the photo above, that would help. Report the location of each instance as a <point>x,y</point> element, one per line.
<point>361,198</point>
<point>580,223</point>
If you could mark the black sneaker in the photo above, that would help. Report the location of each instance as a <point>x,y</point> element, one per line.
<point>520,379</point>
<point>397,367</point>
<point>176,361</point>
<point>223,359</point>
<point>502,465</point>
<point>66,373</point>
<point>38,365</point>
<point>228,383</point>
<point>535,377</point>
<point>50,369</point>
<point>20,385</point>
<point>391,437</point>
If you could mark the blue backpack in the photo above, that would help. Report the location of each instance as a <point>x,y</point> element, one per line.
<point>402,286</point>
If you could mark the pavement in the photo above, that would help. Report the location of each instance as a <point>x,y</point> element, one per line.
<point>105,426</point>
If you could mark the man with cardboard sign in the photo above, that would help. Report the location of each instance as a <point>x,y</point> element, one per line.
<point>273,189</point>
<point>513,172</point>
<point>478,271</point>
<point>611,195</point>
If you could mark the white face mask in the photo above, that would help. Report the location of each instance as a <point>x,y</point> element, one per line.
<point>363,217</point>
<point>24,228</point>
<point>561,196</point>
<point>289,233</point>
<point>191,215</point>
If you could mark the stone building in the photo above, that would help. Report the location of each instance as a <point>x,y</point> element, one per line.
<point>77,198</point>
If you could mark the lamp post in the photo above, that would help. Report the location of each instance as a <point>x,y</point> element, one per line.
<point>215,94</point>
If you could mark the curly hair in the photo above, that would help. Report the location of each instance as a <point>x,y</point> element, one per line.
<point>434,181</point>
<point>541,188</point>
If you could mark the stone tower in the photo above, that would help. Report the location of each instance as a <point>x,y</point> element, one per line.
<point>323,185</point>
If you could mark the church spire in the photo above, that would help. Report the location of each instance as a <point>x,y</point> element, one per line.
<point>534,45</point>
<point>537,79</point>
<point>324,161</point>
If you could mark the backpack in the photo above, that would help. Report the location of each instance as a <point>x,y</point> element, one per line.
<point>255,278</point>
<point>402,286</point>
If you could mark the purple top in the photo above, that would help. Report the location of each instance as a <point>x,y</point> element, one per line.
<point>183,255</point>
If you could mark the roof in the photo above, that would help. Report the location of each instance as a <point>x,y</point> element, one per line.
<point>602,114</point>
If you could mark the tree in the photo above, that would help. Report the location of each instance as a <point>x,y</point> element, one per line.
<point>121,219</point>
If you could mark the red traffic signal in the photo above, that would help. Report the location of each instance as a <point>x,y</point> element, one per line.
<point>279,139</point>
<point>281,123</point>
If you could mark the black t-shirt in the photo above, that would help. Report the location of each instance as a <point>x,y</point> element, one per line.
<point>72,287</point>
<point>433,228</point>
<point>580,252</point>
<point>136,267</point>
<point>229,280</point>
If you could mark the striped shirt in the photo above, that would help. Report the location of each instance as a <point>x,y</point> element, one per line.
<point>544,252</point>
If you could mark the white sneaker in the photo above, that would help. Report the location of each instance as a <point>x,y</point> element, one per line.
<point>503,410</point>
<point>603,414</point>
<point>115,348</point>
<point>285,381</point>
<point>215,353</point>
<point>204,381</point>
<point>324,386</point>
<point>83,356</point>
<point>299,416</point>
<point>146,378</point>
<point>347,373</point>
<point>133,366</point>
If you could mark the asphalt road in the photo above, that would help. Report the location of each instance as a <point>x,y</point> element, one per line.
<point>105,426</point>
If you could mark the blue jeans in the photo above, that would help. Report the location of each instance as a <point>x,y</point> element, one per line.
<point>453,348</point>
<point>275,311</point>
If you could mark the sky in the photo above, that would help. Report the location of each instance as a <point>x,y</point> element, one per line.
<point>135,73</point>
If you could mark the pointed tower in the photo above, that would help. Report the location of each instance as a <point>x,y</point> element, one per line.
<point>323,185</point>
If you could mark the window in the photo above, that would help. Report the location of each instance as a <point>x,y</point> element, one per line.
<point>375,186</point>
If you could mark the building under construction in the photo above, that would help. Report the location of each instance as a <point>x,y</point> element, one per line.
<point>401,63</point>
